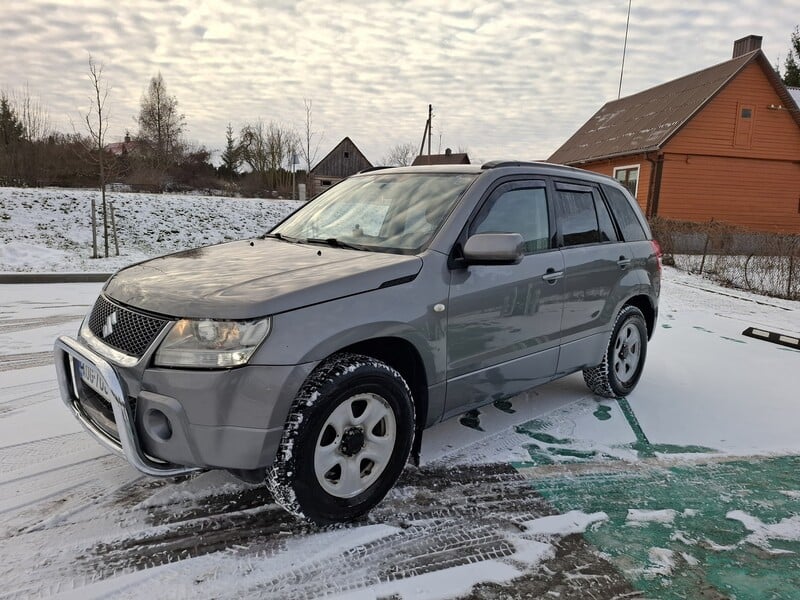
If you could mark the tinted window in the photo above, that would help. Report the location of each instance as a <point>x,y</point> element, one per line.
<point>607,231</point>
<point>577,219</point>
<point>522,211</point>
<point>626,217</point>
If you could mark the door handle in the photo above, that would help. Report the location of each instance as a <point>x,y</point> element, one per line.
<point>551,275</point>
<point>623,262</point>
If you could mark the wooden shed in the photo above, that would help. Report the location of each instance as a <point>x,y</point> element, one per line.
<point>344,160</point>
<point>721,143</point>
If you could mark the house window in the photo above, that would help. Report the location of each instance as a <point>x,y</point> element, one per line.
<point>629,177</point>
<point>347,155</point>
<point>743,135</point>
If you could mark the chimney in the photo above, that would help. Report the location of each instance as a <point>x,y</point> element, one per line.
<point>746,45</point>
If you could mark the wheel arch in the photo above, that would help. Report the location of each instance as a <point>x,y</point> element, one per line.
<point>401,355</point>
<point>645,304</point>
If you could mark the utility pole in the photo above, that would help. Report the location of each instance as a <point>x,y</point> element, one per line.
<point>430,126</point>
<point>427,133</point>
<point>624,49</point>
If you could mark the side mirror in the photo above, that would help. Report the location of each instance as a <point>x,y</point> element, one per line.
<point>494,249</point>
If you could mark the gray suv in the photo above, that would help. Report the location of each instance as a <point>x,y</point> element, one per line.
<point>314,357</point>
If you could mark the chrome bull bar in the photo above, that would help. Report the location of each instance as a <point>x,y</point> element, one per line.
<point>68,352</point>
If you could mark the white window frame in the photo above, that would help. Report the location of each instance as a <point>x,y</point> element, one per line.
<point>638,168</point>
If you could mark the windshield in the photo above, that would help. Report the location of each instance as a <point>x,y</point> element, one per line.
<point>389,212</point>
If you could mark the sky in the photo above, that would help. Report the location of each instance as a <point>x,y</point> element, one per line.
<point>506,79</point>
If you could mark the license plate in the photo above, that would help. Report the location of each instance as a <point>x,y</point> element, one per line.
<point>92,377</point>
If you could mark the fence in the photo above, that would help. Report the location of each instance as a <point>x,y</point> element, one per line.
<point>765,263</point>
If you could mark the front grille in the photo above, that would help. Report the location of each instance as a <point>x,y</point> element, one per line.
<point>131,333</point>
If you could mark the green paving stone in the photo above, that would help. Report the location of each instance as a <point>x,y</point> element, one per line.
<point>547,438</point>
<point>603,413</point>
<point>712,490</point>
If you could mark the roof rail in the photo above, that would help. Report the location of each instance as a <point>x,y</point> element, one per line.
<point>494,164</point>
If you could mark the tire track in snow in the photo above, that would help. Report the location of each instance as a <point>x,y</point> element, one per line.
<point>12,325</point>
<point>436,518</point>
<point>12,362</point>
<point>23,456</point>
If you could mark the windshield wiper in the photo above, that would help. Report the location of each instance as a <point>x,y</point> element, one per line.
<point>283,238</point>
<point>331,241</point>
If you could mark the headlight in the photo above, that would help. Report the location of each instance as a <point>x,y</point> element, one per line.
<point>211,344</point>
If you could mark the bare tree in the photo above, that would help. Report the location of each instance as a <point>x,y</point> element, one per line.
<point>400,155</point>
<point>33,115</point>
<point>266,148</point>
<point>309,148</point>
<point>160,124</point>
<point>96,119</point>
<point>24,157</point>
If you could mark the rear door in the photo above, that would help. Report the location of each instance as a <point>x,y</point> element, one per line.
<point>504,320</point>
<point>595,261</point>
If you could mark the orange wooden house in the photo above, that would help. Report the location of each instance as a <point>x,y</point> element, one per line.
<point>722,143</point>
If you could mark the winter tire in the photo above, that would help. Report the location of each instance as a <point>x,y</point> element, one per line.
<point>346,441</point>
<point>623,362</point>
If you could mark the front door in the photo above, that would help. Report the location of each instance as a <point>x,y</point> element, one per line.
<point>504,321</point>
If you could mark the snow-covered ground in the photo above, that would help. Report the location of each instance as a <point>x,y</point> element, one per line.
<point>687,488</point>
<point>49,229</point>
<point>668,492</point>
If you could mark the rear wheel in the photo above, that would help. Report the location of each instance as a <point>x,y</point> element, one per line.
<point>623,362</point>
<point>346,441</point>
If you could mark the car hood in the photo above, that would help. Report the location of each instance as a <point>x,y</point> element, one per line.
<point>249,279</point>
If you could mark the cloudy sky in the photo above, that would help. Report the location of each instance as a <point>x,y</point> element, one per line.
<point>506,79</point>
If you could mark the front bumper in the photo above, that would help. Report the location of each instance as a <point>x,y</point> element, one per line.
<point>68,352</point>
<point>169,422</point>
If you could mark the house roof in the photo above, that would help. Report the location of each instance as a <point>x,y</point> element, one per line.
<point>645,121</point>
<point>344,142</point>
<point>794,92</point>
<point>120,148</point>
<point>448,158</point>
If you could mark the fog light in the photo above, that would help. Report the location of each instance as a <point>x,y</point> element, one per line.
<point>157,425</point>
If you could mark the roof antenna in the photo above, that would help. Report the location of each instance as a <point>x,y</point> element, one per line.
<point>624,48</point>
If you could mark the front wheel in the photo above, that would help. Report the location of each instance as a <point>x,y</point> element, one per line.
<point>623,362</point>
<point>346,441</point>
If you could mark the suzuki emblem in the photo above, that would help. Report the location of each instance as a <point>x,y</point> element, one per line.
<point>108,326</point>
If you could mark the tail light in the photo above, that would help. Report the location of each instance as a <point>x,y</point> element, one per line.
<point>659,253</point>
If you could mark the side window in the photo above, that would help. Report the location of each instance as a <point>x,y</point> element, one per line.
<point>607,231</point>
<point>577,219</point>
<point>521,210</point>
<point>626,217</point>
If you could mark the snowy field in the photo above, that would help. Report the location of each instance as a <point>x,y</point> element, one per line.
<point>689,488</point>
<point>49,229</point>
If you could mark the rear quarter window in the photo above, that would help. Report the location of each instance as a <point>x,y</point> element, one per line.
<point>624,213</point>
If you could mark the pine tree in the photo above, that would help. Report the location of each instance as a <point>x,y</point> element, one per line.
<point>11,129</point>
<point>231,157</point>
<point>791,67</point>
